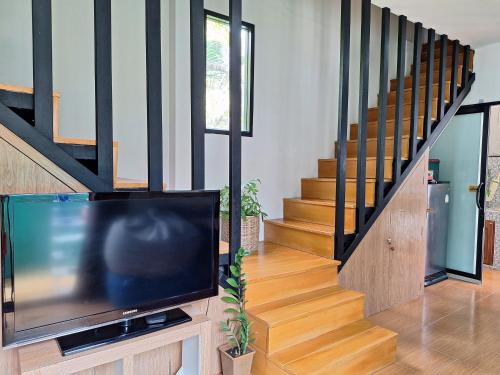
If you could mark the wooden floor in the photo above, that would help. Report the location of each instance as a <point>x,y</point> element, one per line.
<point>453,329</point>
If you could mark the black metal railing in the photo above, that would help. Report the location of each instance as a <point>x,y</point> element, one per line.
<point>198,94</point>
<point>103,90</point>
<point>343,118</point>
<point>419,127</point>
<point>42,66</point>
<point>38,132</point>
<point>198,114</point>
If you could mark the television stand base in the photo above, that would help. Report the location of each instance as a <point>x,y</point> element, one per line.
<point>96,337</point>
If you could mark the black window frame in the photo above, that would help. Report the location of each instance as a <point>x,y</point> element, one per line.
<point>251,29</point>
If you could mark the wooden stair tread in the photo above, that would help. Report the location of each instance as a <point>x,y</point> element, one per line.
<point>421,100</point>
<point>322,342</point>
<point>322,229</point>
<point>423,84</point>
<point>23,89</point>
<point>272,261</point>
<point>367,158</point>
<point>333,179</point>
<point>420,117</point>
<point>128,183</point>
<point>78,141</point>
<point>375,139</point>
<point>329,355</point>
<point>302,305</point>
<point>319,202</point>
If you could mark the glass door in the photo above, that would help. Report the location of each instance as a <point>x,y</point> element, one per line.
<point>460,151</point>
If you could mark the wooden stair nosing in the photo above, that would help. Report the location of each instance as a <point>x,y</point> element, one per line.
<point>321,229</point>
<point>329,358</point>
<point>270,290</point>
<point>299,306</point>
<point>319,202</point>
<point>322,342</point>
<point>408,80</point>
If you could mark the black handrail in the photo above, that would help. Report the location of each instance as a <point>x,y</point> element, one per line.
<point>429,84</point>
<point>42,66</point>
<point>363,112</point>
<point>454,71</point>
<point>340,184</point>
<point>103,91</point>
<point>382,105</point>
<point>415,91</point>
<point>432,91</point>
<point>235,23</point>
<point>198,94</point>
<point>398,124</point>
<point>465,68</point>
<point>443,62</point>
<point>154,101</point>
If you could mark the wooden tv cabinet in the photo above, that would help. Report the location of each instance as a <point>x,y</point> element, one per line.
<point>125,357</point>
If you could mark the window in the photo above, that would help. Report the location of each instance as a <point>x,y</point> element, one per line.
<point>217,45</point>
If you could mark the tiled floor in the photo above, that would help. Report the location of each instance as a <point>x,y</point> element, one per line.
<point>453,329</point>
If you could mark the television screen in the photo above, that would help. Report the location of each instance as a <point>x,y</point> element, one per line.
<point>72,261</point>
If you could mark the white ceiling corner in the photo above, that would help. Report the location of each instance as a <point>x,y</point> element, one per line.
<point>474,22</point>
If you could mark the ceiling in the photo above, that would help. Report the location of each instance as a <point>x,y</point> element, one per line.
<point>472,22</point>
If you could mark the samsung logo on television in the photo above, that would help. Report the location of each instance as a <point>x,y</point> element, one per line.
<point>129,312</point>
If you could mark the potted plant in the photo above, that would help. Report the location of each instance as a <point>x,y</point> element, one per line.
<point>251,210</point>
<point>236,356</point>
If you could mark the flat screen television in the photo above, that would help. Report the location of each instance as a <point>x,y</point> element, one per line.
<point>71,262</point>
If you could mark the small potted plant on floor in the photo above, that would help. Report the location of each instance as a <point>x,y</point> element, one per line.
<point>236,356</point>
<point>251,211</point>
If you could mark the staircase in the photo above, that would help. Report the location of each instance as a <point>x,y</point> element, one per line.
<point>16,103</point>
<point>304,323</point>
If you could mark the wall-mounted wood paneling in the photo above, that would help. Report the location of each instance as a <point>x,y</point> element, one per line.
<point>389,264</point>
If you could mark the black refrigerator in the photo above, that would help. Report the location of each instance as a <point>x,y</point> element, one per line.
<point>438,207</point>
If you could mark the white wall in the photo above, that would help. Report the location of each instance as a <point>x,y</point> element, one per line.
<point>296,90</point>
<point>486,88</point>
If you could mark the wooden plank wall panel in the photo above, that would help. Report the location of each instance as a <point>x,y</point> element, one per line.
<point>389,264</point>
<point>161,361</point>
<point>20,175</point>
<point>108,369</point>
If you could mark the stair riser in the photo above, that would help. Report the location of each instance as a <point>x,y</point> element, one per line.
<point>266,291</point>
<point>317,214</point>
<point>449,64</point>
<point>317,189</point>
<point>391,110</point>
<point>328,168</point>
<point>314,243</point>
<point>408,81</point>
<point>314,324</point>
<point>391,99</point>
<point>371,148</point>
<point>372,131</point>
<point>437,47</point>
<point>364,362</point>
<point>449,56</point>
<point>263,366</point>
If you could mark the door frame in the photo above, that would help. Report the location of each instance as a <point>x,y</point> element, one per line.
<point>483,108</point>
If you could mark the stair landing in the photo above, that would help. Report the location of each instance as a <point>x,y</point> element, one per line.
<point>304,323</point>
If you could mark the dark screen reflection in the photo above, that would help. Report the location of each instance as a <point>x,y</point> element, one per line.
<point>95,256</point>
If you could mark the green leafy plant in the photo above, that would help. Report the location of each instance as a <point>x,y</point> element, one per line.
<point>250,205</point>
<point>238,327</point>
